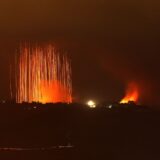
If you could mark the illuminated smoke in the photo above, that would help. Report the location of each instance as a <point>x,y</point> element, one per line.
<point>132,93</point>
<point>43,75</point>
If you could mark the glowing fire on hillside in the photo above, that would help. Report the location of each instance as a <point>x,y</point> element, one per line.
<point>132,93</point>
<point>43,75</point>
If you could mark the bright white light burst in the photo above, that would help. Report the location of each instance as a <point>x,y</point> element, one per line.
<point>91,104</point>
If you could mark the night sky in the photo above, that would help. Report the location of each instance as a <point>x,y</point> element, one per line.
<point>111,43</point>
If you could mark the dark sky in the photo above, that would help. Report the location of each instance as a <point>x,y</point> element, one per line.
<point>111,42</point>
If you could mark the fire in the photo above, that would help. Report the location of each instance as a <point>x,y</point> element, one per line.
<point>132,93</point>
<point>54,92</point>
<point>43,75</point>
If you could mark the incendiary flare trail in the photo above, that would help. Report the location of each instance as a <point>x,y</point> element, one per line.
<point>43,75</point>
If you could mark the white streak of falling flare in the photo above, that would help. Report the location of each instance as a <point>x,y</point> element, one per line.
<point>43,75</point>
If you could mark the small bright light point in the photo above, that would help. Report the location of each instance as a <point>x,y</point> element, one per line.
<point>91,104</point>
<point>110,106</point>
<point>35,107</point>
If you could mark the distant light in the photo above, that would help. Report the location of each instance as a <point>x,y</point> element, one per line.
<point>3,101</point>
<point>110,106</point>
<point>91,104</point>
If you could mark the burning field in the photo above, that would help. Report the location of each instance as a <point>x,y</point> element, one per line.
<point>132,93</point>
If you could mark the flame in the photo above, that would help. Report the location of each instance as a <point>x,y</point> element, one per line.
<point>43,75</point>
<point>54,92</point>
<point>132,93</point>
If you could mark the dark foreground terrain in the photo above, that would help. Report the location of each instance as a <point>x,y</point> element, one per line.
<point>66,132</point>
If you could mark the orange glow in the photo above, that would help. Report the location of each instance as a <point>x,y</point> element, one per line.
<point>43,75</point>
<point>132,93</point>
<point>54,92</point>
